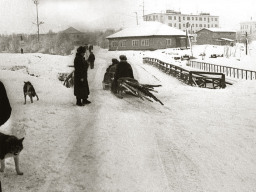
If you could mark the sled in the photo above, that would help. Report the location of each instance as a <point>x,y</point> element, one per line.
<point>130,86</point>
<point>107,80</point>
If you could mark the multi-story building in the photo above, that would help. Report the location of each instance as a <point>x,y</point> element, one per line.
<point>249,27</point>
<point>181,21</point>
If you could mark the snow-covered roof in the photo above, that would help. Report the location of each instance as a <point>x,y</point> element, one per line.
<point>218,30</point>
<point>71,30</point>
<point>148,28</point>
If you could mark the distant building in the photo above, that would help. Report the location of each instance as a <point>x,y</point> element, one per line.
<point>147,36</point>
<point>182,22</point>
<point>250,28</point>
<point>216,36</point>
<point>76,36</point>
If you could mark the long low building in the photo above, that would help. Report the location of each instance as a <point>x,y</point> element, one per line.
<point>147,36</point>
<point>216,36</point>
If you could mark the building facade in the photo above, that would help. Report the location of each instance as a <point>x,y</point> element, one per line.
<point>248,27</point>
<point>216,36</point>
<point>76,36</point>
<point>147,36</point>
<point>181,21</point>
<point>146,43</point>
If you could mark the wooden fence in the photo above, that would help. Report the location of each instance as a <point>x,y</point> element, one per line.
<point>228,71</point>
<point>193,78</point>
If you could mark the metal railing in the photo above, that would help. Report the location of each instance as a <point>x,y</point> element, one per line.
<point>228,71</point>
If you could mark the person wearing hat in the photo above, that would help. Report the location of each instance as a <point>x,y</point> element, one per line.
<point>81,86</point>
<point>123,69</point>
<point>112,67</point>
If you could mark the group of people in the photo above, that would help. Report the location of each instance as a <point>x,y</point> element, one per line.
<point>81,87</point>
<point>120,69</point>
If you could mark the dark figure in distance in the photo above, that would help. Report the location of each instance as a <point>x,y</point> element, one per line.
<point>91,59</point>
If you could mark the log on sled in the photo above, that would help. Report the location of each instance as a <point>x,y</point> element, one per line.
<point>133,87</point>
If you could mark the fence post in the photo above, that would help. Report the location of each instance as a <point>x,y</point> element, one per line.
<point>190,78</point>
<point>222,81</point>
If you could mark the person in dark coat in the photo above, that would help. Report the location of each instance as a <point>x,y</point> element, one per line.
<point>81,86</point>
<point>123,69</point>
<point>112,67</point>
<point>91,59</point>
<point>5,107</point>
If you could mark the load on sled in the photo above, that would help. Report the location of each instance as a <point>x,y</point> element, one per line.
<point>119,78</point>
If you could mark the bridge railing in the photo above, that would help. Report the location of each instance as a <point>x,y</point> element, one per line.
<point>228,71</point>
<point>193,78</point>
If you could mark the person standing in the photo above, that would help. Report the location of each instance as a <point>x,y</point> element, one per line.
<point>91,59</point>
<point>5,107</point>
<point>81,86</point>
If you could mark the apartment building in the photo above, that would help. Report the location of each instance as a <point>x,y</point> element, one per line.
<point>249,27</point>
<point>181,21</point>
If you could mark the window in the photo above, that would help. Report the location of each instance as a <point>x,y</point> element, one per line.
<point>188,18</point>
<point>204,19</point>
<point>114,43</point>
<point>216,25</point>
<point>170,24</point>
<point>170,17</point>
<point>174,17</point>
<point>144,42</point>
<point>174,24</point>
<point>200,18</point>
<point>183,18</point>
<point>216,19</point>
<point>196,18</point>
<point>168,42</point>
<point>192,18</point>
<point>184,25</point>
<point>135,43</point>
<point>122,43</point>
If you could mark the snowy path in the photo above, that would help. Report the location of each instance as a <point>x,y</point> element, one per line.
<point>200,140</point>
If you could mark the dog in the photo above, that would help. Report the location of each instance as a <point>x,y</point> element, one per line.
<point>29,90</point>
<point>10,146</point>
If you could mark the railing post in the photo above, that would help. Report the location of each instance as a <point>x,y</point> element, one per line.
<point>190,78</point>
<point>223,81</point>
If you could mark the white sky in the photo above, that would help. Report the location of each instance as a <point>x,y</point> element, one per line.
<point>17,15</point>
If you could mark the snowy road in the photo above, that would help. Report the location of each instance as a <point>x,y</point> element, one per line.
<point>196,142</point>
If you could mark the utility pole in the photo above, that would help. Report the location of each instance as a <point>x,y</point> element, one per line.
<point>37,20</point>
<point>136,17</point>
<point>143,9</point>
<point>246,42</point>
<point>187,25</point>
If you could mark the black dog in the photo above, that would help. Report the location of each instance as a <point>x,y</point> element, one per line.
<point>29,90</point>
<point>10,146</point>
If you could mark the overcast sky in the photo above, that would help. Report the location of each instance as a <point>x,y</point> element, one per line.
<point>17,16</point>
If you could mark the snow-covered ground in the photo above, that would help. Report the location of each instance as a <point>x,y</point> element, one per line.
<point>201,140</point>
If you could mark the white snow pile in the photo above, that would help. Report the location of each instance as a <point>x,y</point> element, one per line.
<point>200,140</point>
